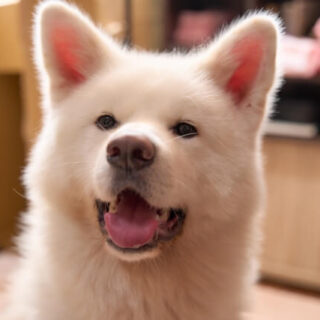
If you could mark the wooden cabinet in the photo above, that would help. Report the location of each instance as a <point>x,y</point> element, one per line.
<point>11,157</point>
<point>292,224</point>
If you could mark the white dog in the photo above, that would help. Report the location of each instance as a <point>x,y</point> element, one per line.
<point>145,183</point>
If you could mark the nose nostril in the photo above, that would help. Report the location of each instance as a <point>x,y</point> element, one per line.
<point>113,151</point>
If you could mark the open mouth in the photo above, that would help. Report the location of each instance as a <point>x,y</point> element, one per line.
<point>131,224</point>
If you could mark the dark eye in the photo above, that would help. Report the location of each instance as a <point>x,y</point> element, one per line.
<point>106,122</point>
<point>185,130</point>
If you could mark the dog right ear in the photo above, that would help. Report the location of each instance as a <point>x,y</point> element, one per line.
<point>68,47</point>
<point>243,61</point>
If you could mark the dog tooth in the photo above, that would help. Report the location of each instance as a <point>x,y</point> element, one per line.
<point>113,207</point>
<point>165,215</point>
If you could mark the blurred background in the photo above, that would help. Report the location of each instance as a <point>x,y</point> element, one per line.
<point>290,260</point>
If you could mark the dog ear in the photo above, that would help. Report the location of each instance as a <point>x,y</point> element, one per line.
<point>243,60</point>
<point>68,47</point>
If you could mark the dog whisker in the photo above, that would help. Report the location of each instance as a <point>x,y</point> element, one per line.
<point>179,137</point>
<point>19,194</point>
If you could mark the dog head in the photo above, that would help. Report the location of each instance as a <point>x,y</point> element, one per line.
<point>146,146</point>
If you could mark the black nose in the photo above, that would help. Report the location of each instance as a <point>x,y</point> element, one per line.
<point>131,152</point>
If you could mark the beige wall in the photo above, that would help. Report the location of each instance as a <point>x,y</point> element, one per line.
<point>11,54</point>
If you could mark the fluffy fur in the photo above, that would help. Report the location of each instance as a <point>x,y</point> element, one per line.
<point>67,270</point>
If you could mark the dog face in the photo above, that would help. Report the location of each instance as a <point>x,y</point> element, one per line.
<point>146,147</point>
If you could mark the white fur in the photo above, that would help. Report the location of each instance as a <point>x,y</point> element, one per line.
<point>67,270</point>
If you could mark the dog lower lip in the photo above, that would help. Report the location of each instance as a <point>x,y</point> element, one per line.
<point>170,225</point>
<point>143,248</point>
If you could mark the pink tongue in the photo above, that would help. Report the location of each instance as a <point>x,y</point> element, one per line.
<point>133,224</point>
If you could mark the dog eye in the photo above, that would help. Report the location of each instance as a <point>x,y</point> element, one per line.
<point>106,122</point>
<point>185,130</point>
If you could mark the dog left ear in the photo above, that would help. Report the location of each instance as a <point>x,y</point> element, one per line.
<point>68,47</point>
<point>243,60</point>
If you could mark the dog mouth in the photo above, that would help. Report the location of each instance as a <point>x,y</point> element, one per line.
<point>131,224</point>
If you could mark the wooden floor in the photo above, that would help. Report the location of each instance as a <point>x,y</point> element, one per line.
<point>279,303</point>
<point>270,302</point>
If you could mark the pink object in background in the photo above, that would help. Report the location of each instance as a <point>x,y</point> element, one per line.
<point>300,57</point>
<point>197,27</point>
<point>316,29</point>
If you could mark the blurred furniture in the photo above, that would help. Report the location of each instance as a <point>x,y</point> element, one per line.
<point>11,144</point>
<point>292,226</point>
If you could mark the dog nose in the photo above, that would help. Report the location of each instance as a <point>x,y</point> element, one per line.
<point>131,152</point>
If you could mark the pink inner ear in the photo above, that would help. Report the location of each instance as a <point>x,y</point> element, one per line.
<point>69,54</point>
<point>249,54</point>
